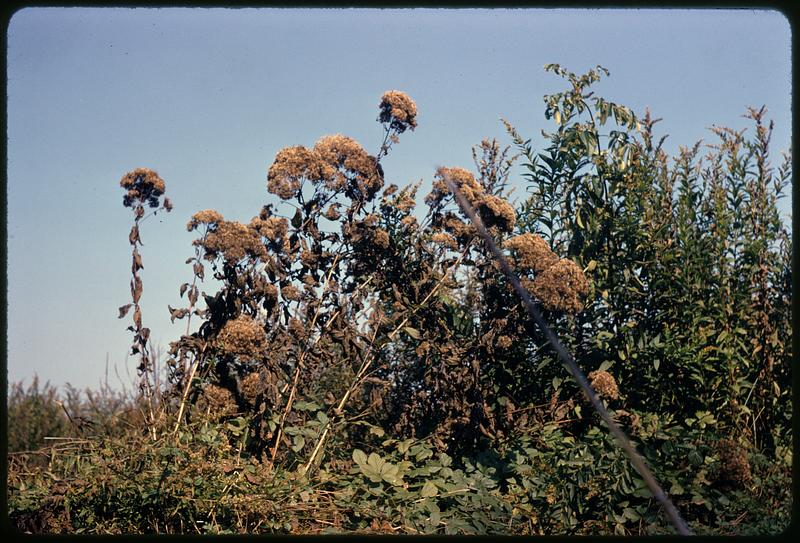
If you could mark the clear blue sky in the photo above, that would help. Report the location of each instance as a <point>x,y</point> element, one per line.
<point>207,97</point>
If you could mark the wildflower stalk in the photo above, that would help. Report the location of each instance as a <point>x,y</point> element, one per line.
<point>300,361</point>
<point>144,187</point>
<point>199,356</point>
<point>369,359</point>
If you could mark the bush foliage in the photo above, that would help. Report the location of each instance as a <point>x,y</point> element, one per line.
<point>365,367</point>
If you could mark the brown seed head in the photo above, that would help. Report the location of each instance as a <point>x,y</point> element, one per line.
<point>349,166</point>
<point>604,384</point>
<point>142,185</point>
<point>272,228</point>
<point>290,292</point>
<point>218,400</point>
<point>243,337</point>
<point>253,386</point>
<point>207,216</point>
<point>532,252</point>
<point>291,166</point>
<point>463,180</point>
<point>495,211</point>
<point>399,110</point>
<point>561,286</point>
<point>234,241</point>
<point>445,240</point>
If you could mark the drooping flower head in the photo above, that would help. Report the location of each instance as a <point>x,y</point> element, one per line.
<point>561,287</point>
<point>604,384</point>
<point>532,252</point>
<point>234,240</point>
<point>349,167</point>
<point>243,337</point>
<point>399,110</point>
<point>144,185</point>
<point>463,180</point>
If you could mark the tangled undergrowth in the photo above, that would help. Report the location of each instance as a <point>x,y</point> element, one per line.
<point>365,366</point>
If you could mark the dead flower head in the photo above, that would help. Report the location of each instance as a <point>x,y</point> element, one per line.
<point>218,401</point>
<point>272,228</point>
<point>234,241</point>
<point>604,384</point>
<point>495,211</point>
<point>399,110</point>
<point>143,185</point>
<point>207,216</point>
<point>349,166</point>
<point>243,337</point>
<point>561,286</point>
<point>532,252</point>
<point>734,468</point>
<point>291,293</point>
<point>462,179</point>
<point>291,166</point>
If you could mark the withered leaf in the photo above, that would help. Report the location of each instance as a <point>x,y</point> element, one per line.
<point>253,479</point>
<point>183,289</point>
<point>133,237</point>
<point>136,288</point>
<point>145,333</point>
<point>123,310</point>
<point>193,295</point>
<point>137,317</point>
<point>189,259</point>
<point>199,270</point>
<point>137,261</point>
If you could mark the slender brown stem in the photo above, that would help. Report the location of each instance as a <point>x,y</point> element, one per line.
<point>571,365</point>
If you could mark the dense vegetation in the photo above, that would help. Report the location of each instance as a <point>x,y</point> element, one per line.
<point>365,367</point>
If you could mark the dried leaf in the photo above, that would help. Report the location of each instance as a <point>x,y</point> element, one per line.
<point>183,289</point>
<point>133,237</point>
<point>136,288</point>
<point>193,292</point>
<point>199,270</point>
<point>123,310</point>
<point>137,318</point>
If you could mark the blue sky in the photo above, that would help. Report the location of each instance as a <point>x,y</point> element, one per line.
<point>207,97</point>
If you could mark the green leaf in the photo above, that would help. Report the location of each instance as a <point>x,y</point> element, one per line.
<point>359,457</point>
<point>429,490</point>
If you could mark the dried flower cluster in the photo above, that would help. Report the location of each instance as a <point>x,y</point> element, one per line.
<point>399,110</point>
<point>337,162</point>
<point>207,216</point>
<point>234,241</point>
<point>734,469</point>
<point>532,252</point>
<point>495,212</point>
<point>561,287</point>
<point>604,384</point>
<point>219,402</point>
<point>243,337</point>
<point>144,185</point>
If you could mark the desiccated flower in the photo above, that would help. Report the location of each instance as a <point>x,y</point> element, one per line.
<point>532,252</point>
<point>207,216</point>
<point>604,384</point>
<point>561,286</point>
<point>243,337</point>
<point>144,185</point>
<point>495,211</point>
<point>399,110</point>
<point>234,241</point>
